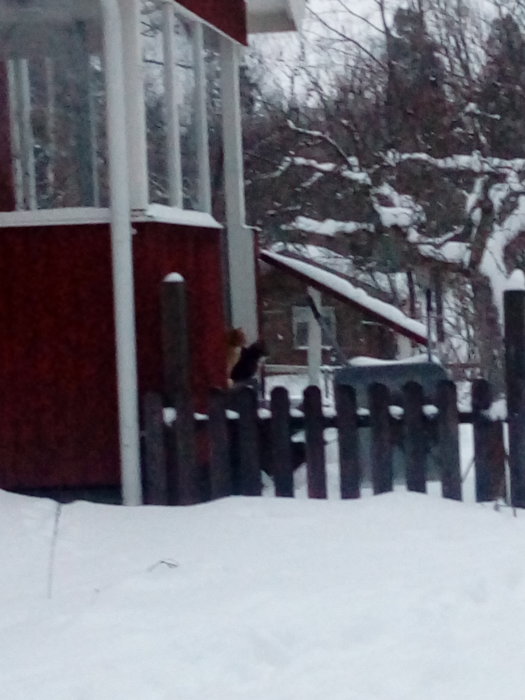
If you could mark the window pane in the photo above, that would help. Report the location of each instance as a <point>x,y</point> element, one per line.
<point>301,334</point>
<point>188,126</point>
<point>214,107</point>
<point>187,92</point>
<point>57,107</point>
<point>300,319</point>
<point>153,67</point>
<point>329,329</point>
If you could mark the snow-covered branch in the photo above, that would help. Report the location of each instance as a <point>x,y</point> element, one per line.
<point>329,227</point>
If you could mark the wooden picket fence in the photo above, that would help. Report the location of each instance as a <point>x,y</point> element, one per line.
<point>196,458</point>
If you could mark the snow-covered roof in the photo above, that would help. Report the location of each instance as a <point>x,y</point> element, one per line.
<point>336,285</point>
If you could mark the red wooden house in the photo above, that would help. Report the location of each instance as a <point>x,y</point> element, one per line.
<point>105,188</point>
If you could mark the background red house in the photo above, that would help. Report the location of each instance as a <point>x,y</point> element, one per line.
<point>92,220</point>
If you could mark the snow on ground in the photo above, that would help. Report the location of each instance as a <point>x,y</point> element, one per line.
<point>395,597</point>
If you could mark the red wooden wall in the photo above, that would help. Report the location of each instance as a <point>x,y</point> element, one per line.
<point>58,408</point>
<point>227,15</point>
<point>196,255</point>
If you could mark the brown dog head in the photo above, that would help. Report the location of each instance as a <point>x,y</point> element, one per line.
<point>235,338</point>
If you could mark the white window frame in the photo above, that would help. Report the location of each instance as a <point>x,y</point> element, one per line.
<point>171,87</point>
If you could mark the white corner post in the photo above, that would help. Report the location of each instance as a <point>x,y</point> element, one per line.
<point>241,253</point>
<point>122,257</point>
<point>171,91</point>
<point>315,346</point>
<point>135,105</point>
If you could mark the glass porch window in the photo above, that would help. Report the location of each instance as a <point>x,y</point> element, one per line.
<point>54,57</point>
<point>57,103</point>
<point>181,73</point>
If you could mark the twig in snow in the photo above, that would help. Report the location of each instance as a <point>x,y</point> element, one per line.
<point>52,551</point>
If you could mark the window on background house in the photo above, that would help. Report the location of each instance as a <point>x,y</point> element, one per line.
<point>300,318</point>
<point>181,70</point>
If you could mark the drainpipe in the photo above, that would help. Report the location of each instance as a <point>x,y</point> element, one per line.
<point>241,255</point>
<point>315,340</point>
<point>122,256</point>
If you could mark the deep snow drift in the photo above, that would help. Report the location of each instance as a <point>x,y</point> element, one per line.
<point>395,597</point>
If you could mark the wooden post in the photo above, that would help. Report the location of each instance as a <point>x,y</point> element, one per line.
<point>489,450</point>
<point>381,443</point>
<point>155,467</point>
<point>281,452</point>
<point>448,440</point>
<point>348,438</point>
<point>315,458</point>
<point>249,460</point>
<point>172,464</point>
<point>514,310</point>
<point>220,462</point>
<point>414,438</point>
<point>177,385</point>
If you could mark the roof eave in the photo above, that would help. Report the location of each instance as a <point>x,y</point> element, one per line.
<point>280,264</point>
<point>284,16</point>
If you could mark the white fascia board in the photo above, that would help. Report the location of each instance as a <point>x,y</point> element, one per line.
<point>297,9</point>
<point>69,216</point>
<point>267,23</point>
<point>275,16</point>
<point>173,215</point>
<point>77,216</point>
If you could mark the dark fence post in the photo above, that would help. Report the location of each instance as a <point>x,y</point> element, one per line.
<point>348,439</point>
<point>489,450</point>
<point>415,437</point>
<point>155,468</point>
<point>281,450</point>
<point>381,443</point>
<point>249,453</point>
<point>177,385</point>
<point>514,310</point>
<point>171,462</point>
<point>220,461</point>
<point>315,458</point>
<point>448,440</point>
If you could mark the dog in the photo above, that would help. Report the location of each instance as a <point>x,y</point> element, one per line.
<point>235,342</point>
<point>247,365</point>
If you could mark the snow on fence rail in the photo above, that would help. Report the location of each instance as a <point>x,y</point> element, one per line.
<point>412,441</point>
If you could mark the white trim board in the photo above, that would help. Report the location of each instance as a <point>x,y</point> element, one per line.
<point>274,15</point>
<point>70,216</point>
<point>76,216</point>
